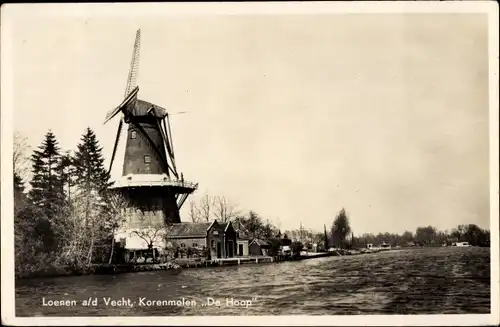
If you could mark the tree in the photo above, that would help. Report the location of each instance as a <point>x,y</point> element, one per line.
<point>47,190</point>
<point>18,186</point>
<point>254,225</point>
<point>118,215</point>
<point>152,234</point>
<point>269,231</point>
<point>21,159</point>
<point>205,208</point>
<point>193,212</point>
<point>475,235</point>
<point>224,211</point>
<point>27,243</point>
<point>340,228</point>
<point>92,217</point>
<point>425,235</point>
<point>91,177</point>
<point>84,227</point>
<point>91,180</point>
<point>325,238</point>
<point>67,174</point>
<point>407,237</point>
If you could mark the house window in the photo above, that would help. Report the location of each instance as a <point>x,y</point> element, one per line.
<point>195,245</point>
<point>147,159</point>
<point>133,134</point>
<point>213,243</point>
<point>183,245</point>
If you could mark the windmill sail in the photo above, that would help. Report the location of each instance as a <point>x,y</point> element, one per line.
<point>131,90</point>
<point>128,102</point>
<point>134,65</point>
<point>116,169</point>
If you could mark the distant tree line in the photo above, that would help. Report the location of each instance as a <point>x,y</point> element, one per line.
<point>341,236</point>
<point>429,236</point>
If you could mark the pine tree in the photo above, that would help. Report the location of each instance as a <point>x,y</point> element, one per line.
<point>47,190</point>
<point>91,180</point>
<point>67,174</point>
<point>20,198</point>
<point>90,173</point>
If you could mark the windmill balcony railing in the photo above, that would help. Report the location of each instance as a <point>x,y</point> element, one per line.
<point>166,182</point>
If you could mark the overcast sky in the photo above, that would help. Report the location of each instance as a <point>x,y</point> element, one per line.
<point>294,117</point>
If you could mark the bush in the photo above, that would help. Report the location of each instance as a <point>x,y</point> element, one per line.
<point>296,248</point>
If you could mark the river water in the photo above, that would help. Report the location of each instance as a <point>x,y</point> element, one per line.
<point>408,281</point>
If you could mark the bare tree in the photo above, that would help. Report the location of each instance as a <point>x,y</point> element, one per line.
<point>21,157</point>
<point>224,211</point>
<point>117,217</point>
<point>82,228</point>
<point>206,208</point>
<point>152,234</point>
<point>194,213</point>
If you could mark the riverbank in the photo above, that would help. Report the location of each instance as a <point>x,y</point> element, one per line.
<point>187,263</point>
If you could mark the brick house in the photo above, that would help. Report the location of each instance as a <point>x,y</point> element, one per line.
<point>218,238</point>
<point>242,239</point>
<point>258,247</point>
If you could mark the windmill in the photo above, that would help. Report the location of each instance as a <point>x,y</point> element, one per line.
<point>149,179</point>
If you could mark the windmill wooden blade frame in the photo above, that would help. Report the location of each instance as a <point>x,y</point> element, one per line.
<point>120,126</point>
<point>134,65</point>
<point>127,102</point>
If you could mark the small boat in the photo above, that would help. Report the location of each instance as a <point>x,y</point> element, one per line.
<point>462,244</point>
<point>385,246</point>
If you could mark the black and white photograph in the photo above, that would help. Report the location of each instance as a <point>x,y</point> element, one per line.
<point>250,163</point>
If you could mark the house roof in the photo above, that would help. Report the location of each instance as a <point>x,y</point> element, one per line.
<point>243,233</point>
<point>260,242</point>
<point>188,230</point>
<point>225,226</point>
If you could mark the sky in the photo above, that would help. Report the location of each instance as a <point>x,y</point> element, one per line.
<point>292,116</point>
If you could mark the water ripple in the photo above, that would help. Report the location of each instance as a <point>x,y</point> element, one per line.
<point>413,281</point>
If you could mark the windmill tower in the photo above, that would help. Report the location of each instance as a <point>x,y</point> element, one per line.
<point>148,177</point>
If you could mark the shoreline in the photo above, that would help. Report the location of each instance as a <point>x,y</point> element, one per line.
<point>178,265</point>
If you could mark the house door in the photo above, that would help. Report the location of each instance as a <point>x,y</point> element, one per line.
<point>240,249</point>
<point>230,249</point>
<point>219,250</point>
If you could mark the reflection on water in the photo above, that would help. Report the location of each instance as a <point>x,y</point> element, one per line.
<point>413,281</point>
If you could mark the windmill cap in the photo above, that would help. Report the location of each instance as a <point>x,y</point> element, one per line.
<point>145,108</point>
